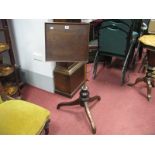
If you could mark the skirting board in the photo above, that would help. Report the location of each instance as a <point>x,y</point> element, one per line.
<point>38,80</point>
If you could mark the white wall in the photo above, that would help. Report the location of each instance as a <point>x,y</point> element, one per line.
<point>29,39</point>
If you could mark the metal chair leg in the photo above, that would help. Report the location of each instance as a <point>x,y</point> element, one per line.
<point>95,65</point>
<point>126,63</point>
<point>123,77</point>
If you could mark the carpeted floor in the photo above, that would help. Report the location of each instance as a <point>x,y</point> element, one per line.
<point>122,109</point>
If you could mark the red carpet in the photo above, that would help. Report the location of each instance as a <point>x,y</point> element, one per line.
<point>122,109</point>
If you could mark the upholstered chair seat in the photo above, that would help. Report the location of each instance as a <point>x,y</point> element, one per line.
<point>18,117</point>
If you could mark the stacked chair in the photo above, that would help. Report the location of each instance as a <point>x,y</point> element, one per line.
<point>116,38</point>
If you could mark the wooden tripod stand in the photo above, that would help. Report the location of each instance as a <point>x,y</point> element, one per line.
<point>83,101</point>
<point>68,42</point>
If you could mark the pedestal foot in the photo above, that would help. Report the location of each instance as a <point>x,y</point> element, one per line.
<point>91,99</point>
<point>72,103</point>
<point>89,116</point>
<point>83,101</point>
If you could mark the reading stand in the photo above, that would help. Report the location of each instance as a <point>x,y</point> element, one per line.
<point>68,42</point>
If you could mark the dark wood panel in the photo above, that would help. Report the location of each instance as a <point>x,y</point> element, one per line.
<point>67,42</point>
<point>66,65</point>
<point>67,20</point>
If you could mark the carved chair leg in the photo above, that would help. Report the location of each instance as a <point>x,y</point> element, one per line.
<point>46,128</point>
<point>152,82</point>
<point>149,88</point>
<point>90,117</point>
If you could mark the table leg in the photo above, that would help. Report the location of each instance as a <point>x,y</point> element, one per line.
<point>137,81</point>
<point>149,88</point>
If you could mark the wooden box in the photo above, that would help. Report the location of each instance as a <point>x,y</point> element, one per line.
<point>68,78</point>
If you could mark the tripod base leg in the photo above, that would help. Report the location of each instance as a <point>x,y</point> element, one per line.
<point>91,99</point>
<point>72,103</point>
<point>137,81</point>
<point>89,116</point>
<point>83,101</point>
